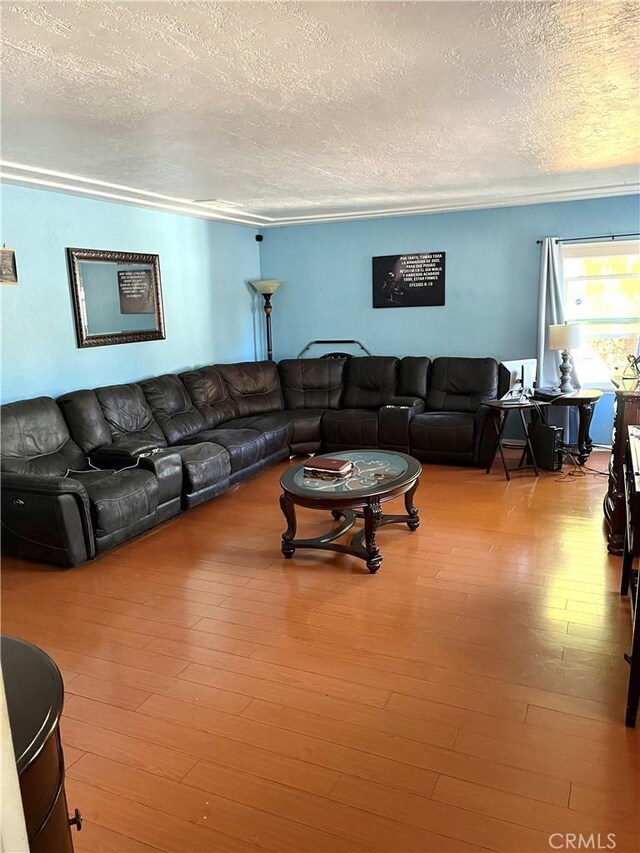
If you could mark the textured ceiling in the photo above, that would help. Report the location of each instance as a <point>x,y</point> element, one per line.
<point>285,111</point>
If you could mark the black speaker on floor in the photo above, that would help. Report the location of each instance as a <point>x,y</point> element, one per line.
<point>547,445</point>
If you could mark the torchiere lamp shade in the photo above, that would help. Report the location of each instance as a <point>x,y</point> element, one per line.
<point>265,285</point>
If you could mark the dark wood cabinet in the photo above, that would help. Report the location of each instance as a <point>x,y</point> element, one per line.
<point>626,413</point>
<point>629,583</point>
<point>34,691</point>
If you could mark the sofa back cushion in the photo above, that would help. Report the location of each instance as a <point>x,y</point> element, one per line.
<point>254,386</point>
<point>371,382</point>
<point>210,395</point>
<point>35,440</point>
<point>312,383</point>
<point>86,420</point>
<point>127,413</point>
<point>172,408</point>
<point>413,377</point>
<point>462,384</point>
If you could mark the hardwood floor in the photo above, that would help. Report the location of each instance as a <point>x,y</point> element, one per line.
<point>469,696</point>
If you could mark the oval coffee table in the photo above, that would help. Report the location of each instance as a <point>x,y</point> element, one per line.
<point>377,476</point>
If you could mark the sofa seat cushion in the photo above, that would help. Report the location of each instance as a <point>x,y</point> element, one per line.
<point>291,426</point>
<point>203,464</point>
<point>350,428</point>
<point>443,432</point>
<point>275,435</point>
<point>244,446</point>
<point>119,498</point>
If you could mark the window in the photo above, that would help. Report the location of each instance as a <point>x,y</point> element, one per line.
<point>602,292</point>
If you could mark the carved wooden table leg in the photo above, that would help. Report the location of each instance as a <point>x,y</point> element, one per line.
<point>372,517</point>
<point>289,511</point>
<point>413,522</point>
<point>585,444</point>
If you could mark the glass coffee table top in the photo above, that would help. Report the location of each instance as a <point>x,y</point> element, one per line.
<point>374,471</point>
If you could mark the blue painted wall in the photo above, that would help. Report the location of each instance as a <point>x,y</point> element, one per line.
<point>491,285</point>
<point>211,314</point>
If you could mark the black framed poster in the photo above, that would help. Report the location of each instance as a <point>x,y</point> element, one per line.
<point>408,281</point>
<point>136,292</point>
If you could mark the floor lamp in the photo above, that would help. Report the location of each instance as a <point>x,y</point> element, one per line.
<point>267,287</point>
<point>565,337</point>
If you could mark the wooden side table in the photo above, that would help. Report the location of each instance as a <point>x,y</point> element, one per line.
<point>585,400</point>
<point>502,410</point>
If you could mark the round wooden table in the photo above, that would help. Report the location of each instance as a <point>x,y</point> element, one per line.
<point>377,476</point>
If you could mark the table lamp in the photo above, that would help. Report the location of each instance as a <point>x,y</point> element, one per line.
<point>565,337</point>
<point>267,287</point>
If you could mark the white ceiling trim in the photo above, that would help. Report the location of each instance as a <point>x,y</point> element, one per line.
<point>20,173</point>
<point>24,175</point>
<point>470,203</point>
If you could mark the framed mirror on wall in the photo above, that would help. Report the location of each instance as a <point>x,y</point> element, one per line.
<point>117,297</point>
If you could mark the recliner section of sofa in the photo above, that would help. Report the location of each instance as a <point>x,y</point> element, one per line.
<point>55,508</point>
<point>115,425</point>
<point>370,383</point>
<point>211,397</point>
<point>182,423</point>
<point>455,426</point>
<point>266,398</point>
<point>381,396</point>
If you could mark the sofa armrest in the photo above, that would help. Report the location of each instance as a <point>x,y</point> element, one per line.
<point>123,451</point>
<point>47,519</point>
<point>414,403</point>
<point>394,420</point>
<point>38,484</point>
<point>486,442</point>
<point>166,465</point>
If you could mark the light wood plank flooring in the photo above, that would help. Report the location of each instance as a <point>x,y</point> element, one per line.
<point>470,696</point>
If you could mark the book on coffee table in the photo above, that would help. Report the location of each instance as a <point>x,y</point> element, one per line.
<point>327,465</point>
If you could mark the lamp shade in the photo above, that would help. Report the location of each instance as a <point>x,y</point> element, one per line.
<point>265,285</point>
<point>565,336</point>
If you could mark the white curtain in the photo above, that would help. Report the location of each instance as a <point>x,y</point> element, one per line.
<point>550,313</point>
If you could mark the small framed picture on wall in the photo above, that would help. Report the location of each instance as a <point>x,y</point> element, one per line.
<point>8,268</point>
<point>408,281</point>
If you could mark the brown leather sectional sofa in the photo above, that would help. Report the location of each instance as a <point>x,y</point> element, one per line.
<point>96,467</point>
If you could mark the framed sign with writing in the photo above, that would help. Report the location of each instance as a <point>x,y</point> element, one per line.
<point>408,281</point>
<point>135,287</point>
